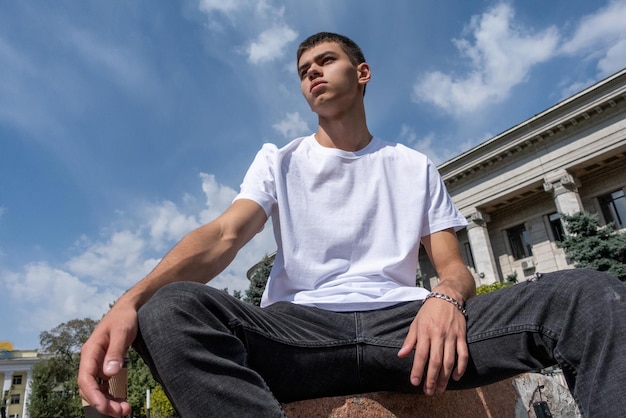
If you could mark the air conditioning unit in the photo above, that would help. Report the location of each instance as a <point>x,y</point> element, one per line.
<point>528,264</point>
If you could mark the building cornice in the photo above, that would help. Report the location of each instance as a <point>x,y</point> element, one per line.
<point>567,116</point>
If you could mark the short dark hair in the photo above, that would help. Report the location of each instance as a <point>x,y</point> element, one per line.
<point>348,45</point>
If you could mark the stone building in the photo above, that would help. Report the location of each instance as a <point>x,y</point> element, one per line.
<point>15,375</point>
<point>512,187</point>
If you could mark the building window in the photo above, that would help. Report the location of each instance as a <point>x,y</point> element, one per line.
<point>556,226</point>
<point>519,240</point>
<point>613,207</point>
<point>15,399</point>
<point>17,379</point>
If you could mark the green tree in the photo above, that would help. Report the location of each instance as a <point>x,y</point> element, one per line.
<point>54,391</point>
<point>236,293</point>
<point>258,280</point>
<point>139,380</point>
<point>590,245</point>
<point>160,406</point>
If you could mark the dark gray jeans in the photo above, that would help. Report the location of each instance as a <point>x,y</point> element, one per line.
<point>218,356</point>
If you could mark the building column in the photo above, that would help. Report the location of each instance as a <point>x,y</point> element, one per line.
<point>478,236</point>
<point>564,188</point>
<point>29,376</point>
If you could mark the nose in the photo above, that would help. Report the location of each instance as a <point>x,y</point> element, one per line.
<point>313,72</point>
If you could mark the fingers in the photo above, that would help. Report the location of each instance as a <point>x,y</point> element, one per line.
<point>437,359</point>
<point>109,406</point>
<point>89,375</point>
<point>438,338</point>
<point>433,355</point>
<point>94,387</point>
<point>420,359</point>
<point>409,343</point>
<point>118,344</point>
<point>422,349</point>
<point>102,357</point>
<point>462,358</point>
<point>448,357</point>
<point>89,372</point>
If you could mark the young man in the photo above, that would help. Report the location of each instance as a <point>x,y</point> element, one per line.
<point>341,313</point>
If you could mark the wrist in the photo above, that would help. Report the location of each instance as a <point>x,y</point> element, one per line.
<point>456,303</point>
<point>450,291</point>
<point>133,298</point>
<point>460,288</point>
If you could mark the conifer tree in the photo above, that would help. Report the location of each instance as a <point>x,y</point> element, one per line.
<point>589,245</point>
<point>258,280</point>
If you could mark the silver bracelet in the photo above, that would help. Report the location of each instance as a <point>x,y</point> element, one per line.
<point>447,298</point>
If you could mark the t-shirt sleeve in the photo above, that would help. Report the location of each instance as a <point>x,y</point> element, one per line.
<point>441,213</point>
<point>259,182</point>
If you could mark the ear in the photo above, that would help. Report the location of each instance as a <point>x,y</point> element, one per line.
<point>364,73</point>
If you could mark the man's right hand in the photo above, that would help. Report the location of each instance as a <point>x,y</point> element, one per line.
<point>201,255</point>
<point>102,357</point>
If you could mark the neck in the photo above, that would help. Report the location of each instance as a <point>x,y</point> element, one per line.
<point>347,132</point>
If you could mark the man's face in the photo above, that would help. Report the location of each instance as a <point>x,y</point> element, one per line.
<point>327,76</point>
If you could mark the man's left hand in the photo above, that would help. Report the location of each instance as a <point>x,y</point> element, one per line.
<point>438,336</point>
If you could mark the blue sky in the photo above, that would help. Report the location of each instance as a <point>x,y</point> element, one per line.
<point>125,124</point>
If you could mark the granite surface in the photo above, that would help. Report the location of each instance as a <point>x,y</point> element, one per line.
<point>493,401</point>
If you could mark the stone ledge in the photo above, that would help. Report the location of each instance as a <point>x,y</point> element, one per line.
<point>497,401</point>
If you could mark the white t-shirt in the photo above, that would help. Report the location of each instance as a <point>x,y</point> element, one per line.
<point>347,224</point>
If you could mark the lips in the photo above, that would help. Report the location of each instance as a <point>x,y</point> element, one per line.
<point>316,83</point>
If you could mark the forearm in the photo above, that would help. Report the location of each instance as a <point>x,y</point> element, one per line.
<point>199,256</point>
<point>456,281</point>
<point>203,253</point>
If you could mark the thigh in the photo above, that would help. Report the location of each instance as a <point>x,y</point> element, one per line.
<point>507,333</point>
<point>336,353</point>
<point>303,352</point>
<point>381,334</point>
<point>515,329</point>
<point>300,352</point>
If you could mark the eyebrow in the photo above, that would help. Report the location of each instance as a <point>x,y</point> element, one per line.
<point>316,58</point>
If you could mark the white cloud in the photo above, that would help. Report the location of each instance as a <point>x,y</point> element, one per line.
<point>218,197</point>
<point>167,223</point>
<point>602,27</point>
<point>119,260</point>
<point>292,126</point>
<point>614,60</point>
<point>264,25</point>
<point>270,34</point>
<point>601,36</point>
<point>88,282</point>
<point>424,145</point>
<point>50,296</point>
<point>223,6</point>
<point>270,44</point>
<point>501,56</point>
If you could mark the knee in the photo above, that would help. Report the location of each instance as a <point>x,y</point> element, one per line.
<point>173,305</point>
<point>159,309</point>
<point>591,290</point>
<point>588,281</point>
